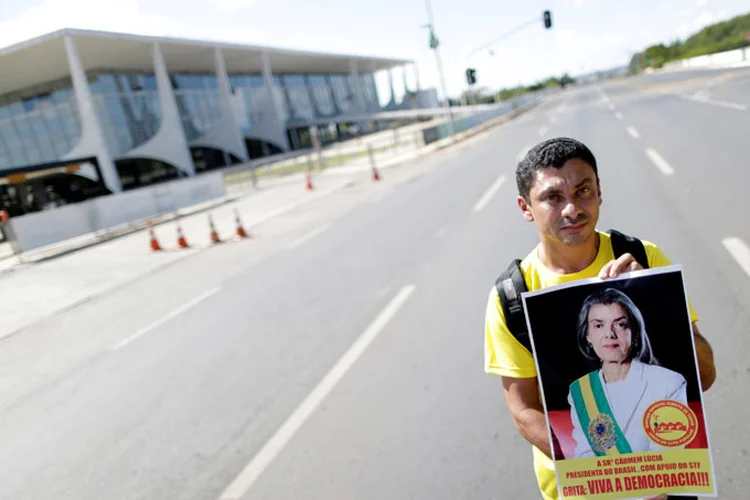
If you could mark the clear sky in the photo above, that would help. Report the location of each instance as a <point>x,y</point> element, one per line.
<point>587,34</point>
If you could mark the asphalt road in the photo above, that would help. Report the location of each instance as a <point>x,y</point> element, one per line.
<point>359,331</point>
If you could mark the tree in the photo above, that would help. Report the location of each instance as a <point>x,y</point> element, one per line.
<point>718,37</point>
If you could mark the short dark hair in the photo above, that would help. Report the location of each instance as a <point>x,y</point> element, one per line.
<point>640,346</point>
<point>550,153</point>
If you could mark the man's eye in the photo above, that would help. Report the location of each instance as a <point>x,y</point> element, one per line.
<point>585,190</point>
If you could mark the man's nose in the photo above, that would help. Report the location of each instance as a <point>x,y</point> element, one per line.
<point>571,210</point>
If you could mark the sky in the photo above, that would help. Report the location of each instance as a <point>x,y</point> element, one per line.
<point>586,35</point>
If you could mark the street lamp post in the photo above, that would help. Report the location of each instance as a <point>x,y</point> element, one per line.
<point>435,45</point>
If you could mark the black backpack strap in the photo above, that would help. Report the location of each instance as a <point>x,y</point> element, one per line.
<point>622,244</point>
<point>510,285</point>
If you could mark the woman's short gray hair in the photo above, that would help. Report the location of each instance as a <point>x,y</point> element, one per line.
<point>640,346</point>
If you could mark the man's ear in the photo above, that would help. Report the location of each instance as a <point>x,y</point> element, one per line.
<point>599,191</point>
<point>525,209</point>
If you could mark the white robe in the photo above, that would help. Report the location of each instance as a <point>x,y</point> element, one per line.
<point>644,385</point>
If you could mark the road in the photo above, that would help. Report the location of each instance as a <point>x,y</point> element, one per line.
<point>359,331</point>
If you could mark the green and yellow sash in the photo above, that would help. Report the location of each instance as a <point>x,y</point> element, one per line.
<point>597,421</point>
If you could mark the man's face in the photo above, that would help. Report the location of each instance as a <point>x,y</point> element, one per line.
<point>609,332</point>
<point>564,203</point>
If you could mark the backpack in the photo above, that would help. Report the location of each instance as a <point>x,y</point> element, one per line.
<point>511,284</point>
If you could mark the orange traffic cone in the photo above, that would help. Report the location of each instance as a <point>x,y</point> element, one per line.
<point>155,246</point>
<point>375,174</point>
<point>308,181</point>
<point>214,234</point>
<point>241,233</point>
<point>181,241</point>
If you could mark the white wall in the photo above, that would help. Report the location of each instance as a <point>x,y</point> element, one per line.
<point>33,231</point>
<point>730,58</point>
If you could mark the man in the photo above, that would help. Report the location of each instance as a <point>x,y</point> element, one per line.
<point>559,190</point>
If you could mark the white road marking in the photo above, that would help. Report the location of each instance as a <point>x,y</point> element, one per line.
<point>632,131</point>
<point>487,196</point>
<point>245,480</point>
<point>143,331</point>
<point>618,115</point>
<point>307,237</point>
<point>543,130</point>
<point>522,154</point>
<point>722,104</point>
<point>739,251</point>
<point>604,96</point>
<point>659,161</point>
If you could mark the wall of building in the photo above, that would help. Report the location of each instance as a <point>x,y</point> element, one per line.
<point>154,121</point>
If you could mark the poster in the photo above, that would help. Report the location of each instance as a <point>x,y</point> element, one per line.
<point>619,382</point>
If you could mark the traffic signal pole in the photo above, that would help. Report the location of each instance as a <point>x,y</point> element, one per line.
<point>546,21</point>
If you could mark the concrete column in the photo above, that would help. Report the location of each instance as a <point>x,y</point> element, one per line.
<point>92,141</point>
<point>175,144</point>
<point>375,106</point>
<point>169,144</point>
<point>416,75</point>
<point>225,104</point>
<point>406,80</point>
<point>268,78</point>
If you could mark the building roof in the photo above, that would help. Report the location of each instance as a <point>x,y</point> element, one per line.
<point>43,58</point>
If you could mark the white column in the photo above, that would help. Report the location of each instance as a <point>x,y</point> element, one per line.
<point>416,75</point>
<point>92,139</point>
<point>171,122</point>
<point>268,78</point>
<point>225,104</point>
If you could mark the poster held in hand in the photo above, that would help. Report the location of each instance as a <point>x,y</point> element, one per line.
<point>618,374</point>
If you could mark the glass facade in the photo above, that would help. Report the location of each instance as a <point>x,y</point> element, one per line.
<point>197,97</point>
<point>127,105</point>
<point>370,91</point>
<point>41,124</point>
<point>343,93</point>
<point>321,95</point>
<point>301,98</point>
<point>38,125</point>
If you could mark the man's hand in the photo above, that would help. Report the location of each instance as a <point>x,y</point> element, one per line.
<point>706,367</point>
<point>625,264</point>
<point>522,395</point>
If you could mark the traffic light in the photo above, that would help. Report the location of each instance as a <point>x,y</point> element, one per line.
<point>547,19</point>
<point>471,76</point>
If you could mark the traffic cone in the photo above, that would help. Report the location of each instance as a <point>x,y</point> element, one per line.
<point>241,233</point>
<point>214,235</point>
<point>181,241</point>
<point>155,246</point>
<point>375,174</point>
<point>308,181</point>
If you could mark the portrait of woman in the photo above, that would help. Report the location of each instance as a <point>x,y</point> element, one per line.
<point>607,404</point>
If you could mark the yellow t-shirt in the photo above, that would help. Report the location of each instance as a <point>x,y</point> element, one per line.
<point>505,356</point>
